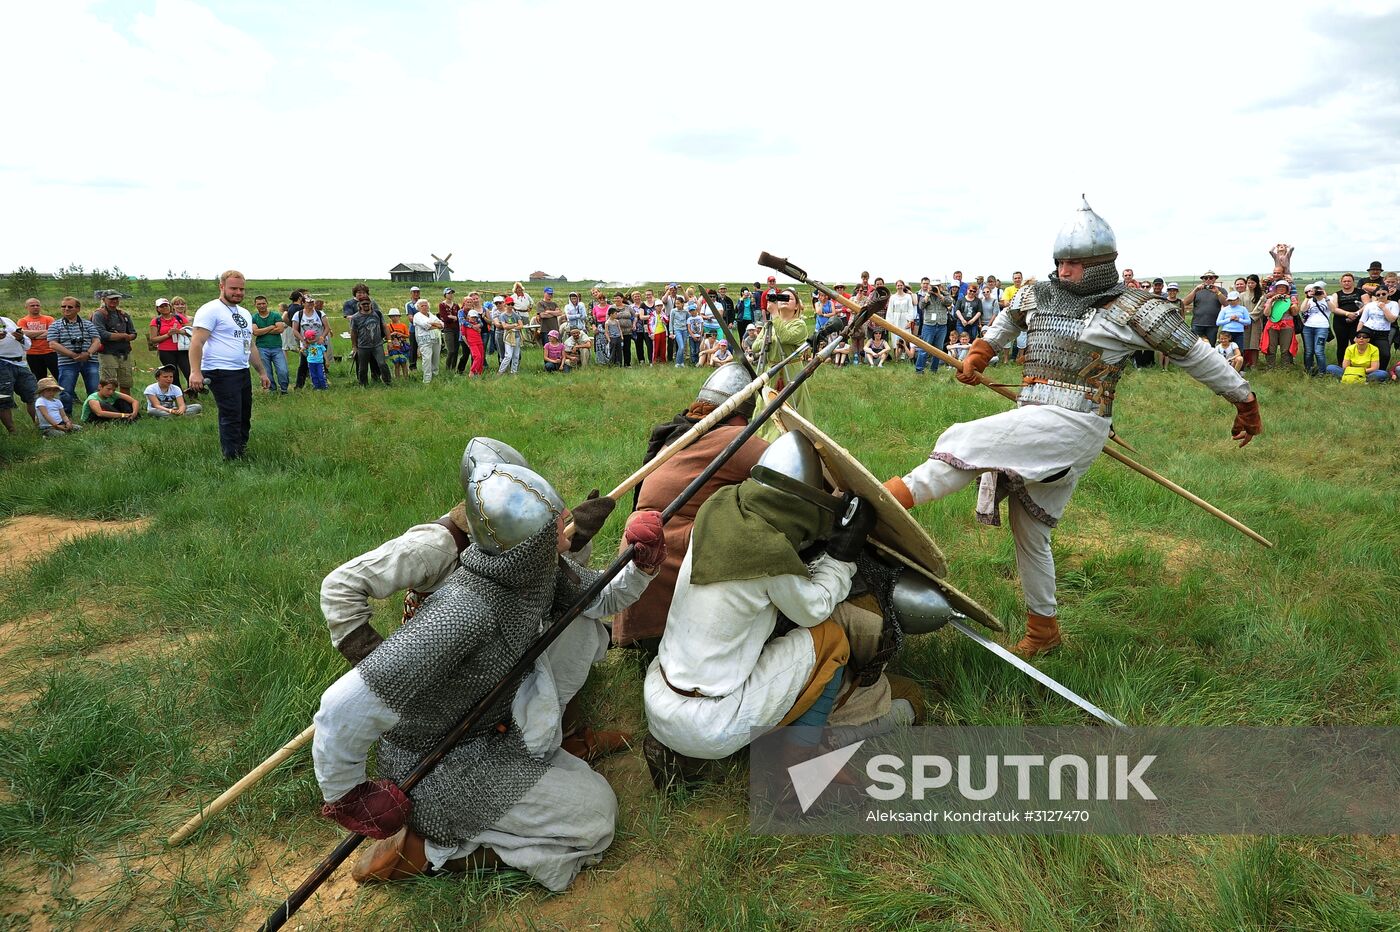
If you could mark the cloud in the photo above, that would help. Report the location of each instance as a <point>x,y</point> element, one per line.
<point>630,139</point>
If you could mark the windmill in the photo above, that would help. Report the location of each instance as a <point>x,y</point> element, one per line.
<point>441,271</point>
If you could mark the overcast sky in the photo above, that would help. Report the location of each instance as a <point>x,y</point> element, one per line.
<point>666,140</point>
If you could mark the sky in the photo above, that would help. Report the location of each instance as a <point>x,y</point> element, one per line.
<point>647,141</point>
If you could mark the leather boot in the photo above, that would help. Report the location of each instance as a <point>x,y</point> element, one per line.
<point>670,769</point>
<point>399,856</point>
<point>901,687</point>
<point>588,744</point>
<point>1042,635</point>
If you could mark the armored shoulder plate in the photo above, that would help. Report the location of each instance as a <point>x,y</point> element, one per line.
<point>1022,303</point>
<point>1155,320</point>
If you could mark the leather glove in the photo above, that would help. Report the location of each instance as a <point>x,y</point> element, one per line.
<point>360,643</point>
<point>977,359</point>
<point>645,532</point>
<point>375,808</point>
<point>1247,423</point>
<point>896,487</point>
<point>589,517</point>
<point>848,540</point>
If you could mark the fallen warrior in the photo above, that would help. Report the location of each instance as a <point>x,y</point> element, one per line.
<point>507,794</point>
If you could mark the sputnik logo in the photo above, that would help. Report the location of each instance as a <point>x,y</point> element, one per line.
<point>811,777</point>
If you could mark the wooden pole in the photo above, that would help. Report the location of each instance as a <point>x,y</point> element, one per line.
<point>239,788</point>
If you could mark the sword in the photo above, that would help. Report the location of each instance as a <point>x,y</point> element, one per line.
<point>1041,678</point>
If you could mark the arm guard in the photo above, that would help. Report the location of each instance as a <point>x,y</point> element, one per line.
<point>1156,321</point>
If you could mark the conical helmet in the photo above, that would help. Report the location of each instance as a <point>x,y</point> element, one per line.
<point>919,604</point>
<point>507,504</point>
<point>723,383</point>
<point>1085,236</point>
<point>793,455</point>
<point>483,450</point>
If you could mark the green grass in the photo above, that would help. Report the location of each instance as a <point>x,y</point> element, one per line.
<point>1172,618</point>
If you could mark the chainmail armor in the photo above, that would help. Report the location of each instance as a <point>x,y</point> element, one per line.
<point>1061,369</point>
<point>431,672</point>
<point>879,578</point>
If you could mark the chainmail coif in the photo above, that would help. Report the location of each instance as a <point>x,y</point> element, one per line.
<point>433,670</point>
<point>1076,299</point>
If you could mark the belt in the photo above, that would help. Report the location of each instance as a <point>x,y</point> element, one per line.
<point>688,693</point>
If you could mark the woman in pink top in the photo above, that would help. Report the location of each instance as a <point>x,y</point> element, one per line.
<point>168,327</point>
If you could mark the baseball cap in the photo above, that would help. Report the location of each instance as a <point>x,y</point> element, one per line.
<point>447,291</point>
<point>510,299</point>
<point>1156,281</point>
<point>549,291</point>
<point>111,293</point>
<point>1233,296</point>
<point>1316,285</point>
<point>1281,281</point>
<point>1173,285</point>
<point>161,302</point>
<point>772,278</point>
<point>415,288</point>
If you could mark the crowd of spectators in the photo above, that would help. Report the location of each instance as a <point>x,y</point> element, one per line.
<point>1253,323</point>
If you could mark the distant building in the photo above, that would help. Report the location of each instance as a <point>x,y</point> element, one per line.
<point>546,277</point>
<point>411,272</point>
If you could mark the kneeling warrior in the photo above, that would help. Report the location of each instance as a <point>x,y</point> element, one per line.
<point>419,560</point>
<point>642,624</point>
<point>1080,326</point>
<point>507,794</point>
<point>721,670</point>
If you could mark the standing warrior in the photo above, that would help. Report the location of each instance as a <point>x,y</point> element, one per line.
<point>1080,326</point>
<point>507,793</point>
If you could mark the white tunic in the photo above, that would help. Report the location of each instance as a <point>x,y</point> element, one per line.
<point>563,823</point>
<point>716,643</point>
<point>421,558</point>
<point>1034,443</point>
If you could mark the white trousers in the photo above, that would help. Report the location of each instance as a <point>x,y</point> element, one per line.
<point>428,356</point>
<point>1034,561</point>
<point>510,359</point>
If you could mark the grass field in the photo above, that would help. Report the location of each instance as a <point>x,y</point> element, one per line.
<point>148,668</point>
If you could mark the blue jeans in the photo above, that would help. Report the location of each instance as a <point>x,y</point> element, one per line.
<point>1315,349</point>
<point>937,334</point>
<point>68,371</point>
<point>682,349</point>
<point>1380,375</point>
<point>275,360</point>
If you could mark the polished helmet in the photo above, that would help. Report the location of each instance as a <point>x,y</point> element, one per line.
<point>482,450</point>
<point>1086,237</point>
<point>793,455</point>
<point>723,383</point>
<point>919,604</point>
<point>507,504</point>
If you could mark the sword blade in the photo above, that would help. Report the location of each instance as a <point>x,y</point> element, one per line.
<point>1047,681</point>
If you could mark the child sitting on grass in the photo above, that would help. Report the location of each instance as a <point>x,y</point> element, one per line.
<point>108,404</point>
<point>48,408</point>
<point>164,398</point>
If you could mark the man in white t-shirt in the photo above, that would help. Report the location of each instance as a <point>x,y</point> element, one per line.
<point>164,398</point>
<point>427,328</point>
<point>220,353</point>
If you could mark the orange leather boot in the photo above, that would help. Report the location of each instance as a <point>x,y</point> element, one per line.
<point>1042,634</point>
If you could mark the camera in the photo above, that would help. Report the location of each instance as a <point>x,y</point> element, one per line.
<point>779,298</point>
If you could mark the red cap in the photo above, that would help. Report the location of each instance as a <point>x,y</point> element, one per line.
<point>510,299</point>
<point>772,278</point>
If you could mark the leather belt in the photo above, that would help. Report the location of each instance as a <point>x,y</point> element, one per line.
<point>688,693</point>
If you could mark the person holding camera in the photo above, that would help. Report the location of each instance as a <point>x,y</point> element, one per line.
<point>788,332</point>
<point>934,305</point>
<point>1205,301</point>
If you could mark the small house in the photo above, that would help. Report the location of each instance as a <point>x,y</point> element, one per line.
<point>411,272</point>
